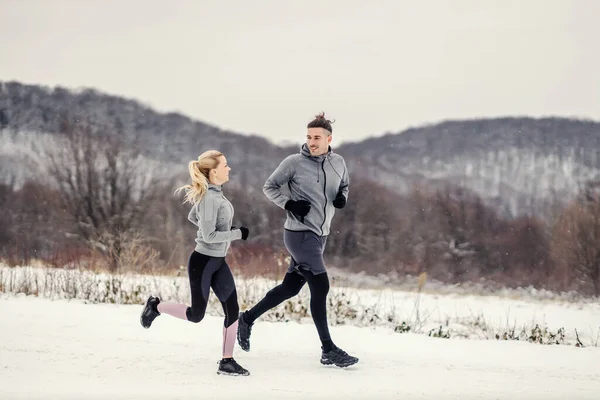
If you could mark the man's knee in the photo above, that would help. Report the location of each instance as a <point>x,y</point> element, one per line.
<point>289,290</point>
<point>320,284</point>
<point>326,288</point>
<point>294,290</point>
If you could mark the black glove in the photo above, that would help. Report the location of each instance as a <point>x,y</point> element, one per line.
<point>245,232</point>
<point>340,201</point>
<point>299,208</point>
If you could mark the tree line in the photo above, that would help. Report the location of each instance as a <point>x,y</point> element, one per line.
<point>100,207</point>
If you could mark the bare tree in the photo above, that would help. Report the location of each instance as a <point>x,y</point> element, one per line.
<point>6,195</point>
<point>576,238</point>
<point>101,183</point>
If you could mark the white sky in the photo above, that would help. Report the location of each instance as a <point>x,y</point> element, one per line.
<point>267,67</point>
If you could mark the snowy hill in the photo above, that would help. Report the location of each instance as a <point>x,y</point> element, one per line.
<point>519,165</point>
<point>30,117</point>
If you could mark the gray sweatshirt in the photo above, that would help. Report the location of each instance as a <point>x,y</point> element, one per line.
<point>315,179</point>
<point>213,215</point>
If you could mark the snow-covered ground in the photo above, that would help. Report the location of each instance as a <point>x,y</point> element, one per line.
<point>71,349</point>
<point>65,341</point>
<point>459,313</point>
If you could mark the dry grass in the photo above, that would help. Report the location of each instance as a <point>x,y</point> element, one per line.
<point>345,304</point>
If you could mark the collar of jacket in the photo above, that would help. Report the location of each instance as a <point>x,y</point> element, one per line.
<point>216,188</point>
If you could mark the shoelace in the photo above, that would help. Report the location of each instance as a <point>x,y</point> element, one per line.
<point>339,354</point>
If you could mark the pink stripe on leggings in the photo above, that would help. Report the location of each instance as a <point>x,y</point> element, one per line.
<point>174,309</point>
<point>229,337</point>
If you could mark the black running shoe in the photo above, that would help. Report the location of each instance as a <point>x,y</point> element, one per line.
<point>228,366</point>
<point>338,357</point>
<point>150,311</point>
<point>243,333</point>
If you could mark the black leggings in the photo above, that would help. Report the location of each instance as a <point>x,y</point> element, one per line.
<point>291,285</point>
<point>207,272</point>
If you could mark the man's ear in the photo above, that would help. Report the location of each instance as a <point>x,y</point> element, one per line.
<point>329,139</point>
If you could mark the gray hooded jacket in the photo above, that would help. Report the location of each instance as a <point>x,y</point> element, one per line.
<point>315,179</point>
<point>213,215</point>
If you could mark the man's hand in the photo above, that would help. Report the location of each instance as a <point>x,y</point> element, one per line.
<point>299,208</point>
<point>340,201</point>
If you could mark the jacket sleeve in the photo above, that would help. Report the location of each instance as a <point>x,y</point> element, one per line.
<point>345,183</point>
<point>281,176</point>
<point>193,215</point>
<point>206,214</point>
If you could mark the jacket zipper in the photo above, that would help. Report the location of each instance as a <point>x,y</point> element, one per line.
<point>325,194</point>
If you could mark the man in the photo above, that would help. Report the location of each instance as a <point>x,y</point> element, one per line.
<point>317,180</point>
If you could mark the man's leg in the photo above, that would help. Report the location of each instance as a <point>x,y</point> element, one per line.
<point>307,248</point>
<point>291,286</point>
<point>331,354</point>
<point>319,288</point>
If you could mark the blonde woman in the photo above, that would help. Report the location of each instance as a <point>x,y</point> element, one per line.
<point>212,213</point>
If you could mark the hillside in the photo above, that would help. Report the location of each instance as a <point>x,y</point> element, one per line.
<point>519,165</point>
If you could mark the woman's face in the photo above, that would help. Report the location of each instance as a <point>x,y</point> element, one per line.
<point>221,174</point>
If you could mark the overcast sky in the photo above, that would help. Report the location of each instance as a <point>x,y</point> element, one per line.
<point>266,67</point>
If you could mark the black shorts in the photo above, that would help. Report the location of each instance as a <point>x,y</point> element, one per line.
<point>306,249</point>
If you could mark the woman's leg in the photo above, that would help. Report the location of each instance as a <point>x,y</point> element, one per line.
<point>223,285</point>
<point>177,310</point>
<point>199,273</point>
<point>154,307</point>
<point>231,310</point>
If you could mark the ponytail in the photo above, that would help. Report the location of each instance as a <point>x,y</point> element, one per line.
<point>199,170</point>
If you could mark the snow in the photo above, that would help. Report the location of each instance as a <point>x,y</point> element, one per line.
<point>70,349</point>
<point>467,312</point>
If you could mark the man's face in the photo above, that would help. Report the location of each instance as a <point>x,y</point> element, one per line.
<point>318,140</point>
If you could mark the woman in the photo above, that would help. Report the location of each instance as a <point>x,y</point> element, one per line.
<point>212,213</point>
